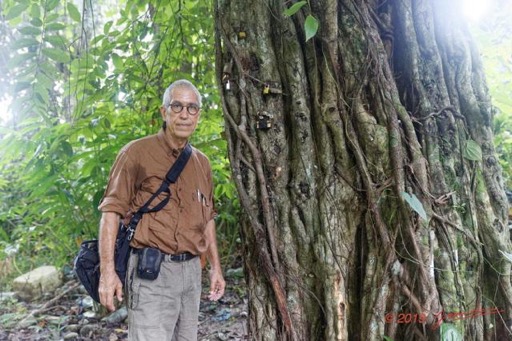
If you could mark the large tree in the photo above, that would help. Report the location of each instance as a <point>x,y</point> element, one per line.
<point>365,165</point>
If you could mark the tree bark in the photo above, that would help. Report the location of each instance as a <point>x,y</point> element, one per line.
<point>328,137</point>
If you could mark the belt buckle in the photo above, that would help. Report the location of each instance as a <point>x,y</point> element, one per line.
<point>180,257</point>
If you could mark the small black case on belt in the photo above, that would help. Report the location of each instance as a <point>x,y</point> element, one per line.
<point>149,263</point>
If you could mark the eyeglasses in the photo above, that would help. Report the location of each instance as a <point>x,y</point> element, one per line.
<point>192,109</point>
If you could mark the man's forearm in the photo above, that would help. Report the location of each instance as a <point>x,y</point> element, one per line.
<point>213,252</point>
<point>109,226</point>
<point>110,285</point>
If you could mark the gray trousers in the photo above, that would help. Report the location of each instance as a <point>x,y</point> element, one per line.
<point>166,308</point>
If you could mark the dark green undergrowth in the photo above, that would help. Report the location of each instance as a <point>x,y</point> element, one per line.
<point>82,83</point>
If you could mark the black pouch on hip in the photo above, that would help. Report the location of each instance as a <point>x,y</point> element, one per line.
<point>149,263</point>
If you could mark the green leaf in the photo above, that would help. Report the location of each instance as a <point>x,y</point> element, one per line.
<point>97,39</point>
<point>117,60</point>
<point>107,27</point>
<point>472,151</point>
<point>56,40</point>
<point>387,338</point>
<point>449,332</point>
<point>44,80</point>
<point>55,26</point>
<point>41,94</point>
<point>415,204</point>
<point>52,17</point>
<point>97,197</point>
<point>30,31</point>
<point>294,8</point>
<point>36,22</point>
<point>19,59</point>
<point>51,4</point>
<point>56,54</point>
<point>73,12</point>
<point>3,235</point>
<point>310,26</point>
<point>35,11</point>
<point>49,69</point>
<point>24,42</point>
<point>15,11</point>
<point>21,86</point>
<point>66,148</point>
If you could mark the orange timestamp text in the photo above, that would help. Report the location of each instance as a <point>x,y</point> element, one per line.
<point>438,318</point>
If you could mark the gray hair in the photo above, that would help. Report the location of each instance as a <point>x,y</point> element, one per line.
<point>181,83</point>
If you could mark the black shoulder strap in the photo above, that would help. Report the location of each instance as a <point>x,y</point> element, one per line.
<point>171,177</point>
<point>177,167</point>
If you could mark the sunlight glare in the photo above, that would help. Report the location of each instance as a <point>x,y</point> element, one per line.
<point>5,114</point>
<point>474,10</point>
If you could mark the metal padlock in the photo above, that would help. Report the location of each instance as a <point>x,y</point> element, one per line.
<point>272,88</point>
<point>264,122</point>
<point>275,91</point>
<point>225,81</point>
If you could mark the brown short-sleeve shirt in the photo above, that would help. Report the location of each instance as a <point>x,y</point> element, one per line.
<point>138,172</point>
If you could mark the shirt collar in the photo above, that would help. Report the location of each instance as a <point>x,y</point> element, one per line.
<point>165,144</point>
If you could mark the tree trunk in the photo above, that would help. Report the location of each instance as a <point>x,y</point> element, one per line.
<point>373,200</point>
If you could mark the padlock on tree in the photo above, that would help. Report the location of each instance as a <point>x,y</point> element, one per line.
<point>264,120</point>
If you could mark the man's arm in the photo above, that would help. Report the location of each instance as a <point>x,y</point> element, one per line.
<point>110,284</point>
<point>217,283</point>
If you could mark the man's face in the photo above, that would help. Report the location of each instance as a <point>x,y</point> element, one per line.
<point>181,125</point>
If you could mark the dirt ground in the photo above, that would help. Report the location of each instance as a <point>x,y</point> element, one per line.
<point>69,314</point>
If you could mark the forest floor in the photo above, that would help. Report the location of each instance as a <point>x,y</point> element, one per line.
<point>69,314</point>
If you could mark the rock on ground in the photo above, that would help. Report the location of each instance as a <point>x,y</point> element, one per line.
<point>34,284</point>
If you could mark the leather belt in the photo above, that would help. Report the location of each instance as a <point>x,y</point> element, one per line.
<point>179,257</point>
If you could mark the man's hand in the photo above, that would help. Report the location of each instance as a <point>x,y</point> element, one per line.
<point>217,285</point>
<point>110,286</point>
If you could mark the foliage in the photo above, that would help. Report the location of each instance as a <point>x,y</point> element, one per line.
<point>311,24</point>
<point>415,204</point>
<point>493,37</point>
<point>11,312</point>
<point>449,332</point>
<point>294,8</point>
<point>311,27</point>
<point>84,82</point>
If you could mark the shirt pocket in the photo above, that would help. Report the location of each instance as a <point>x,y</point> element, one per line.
<point>200,208</point>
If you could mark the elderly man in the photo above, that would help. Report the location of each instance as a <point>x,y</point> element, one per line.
<point>167,307</point>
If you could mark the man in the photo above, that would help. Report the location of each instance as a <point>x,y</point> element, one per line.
<point>166,308</point>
